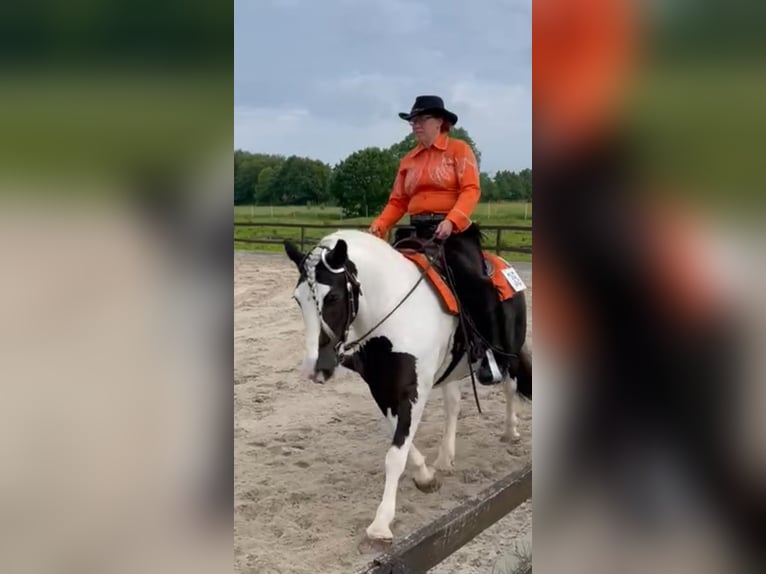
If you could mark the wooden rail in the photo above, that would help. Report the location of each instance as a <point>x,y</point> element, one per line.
<point>498,248</point>
<point>425,548</point>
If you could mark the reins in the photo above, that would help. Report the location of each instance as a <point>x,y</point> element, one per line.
<point>341,347</point>
<point>461,314</point>
<point>423,272</point>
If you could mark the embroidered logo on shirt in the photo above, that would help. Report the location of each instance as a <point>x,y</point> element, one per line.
<point>443,175</point>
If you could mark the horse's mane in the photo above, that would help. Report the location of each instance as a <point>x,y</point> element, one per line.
<point>364,249</point>
<point>355,237</point>
<point>361,244</point>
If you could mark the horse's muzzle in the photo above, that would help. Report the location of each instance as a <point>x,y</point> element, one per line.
<point>325,365</point>
<point>327,359</point>
<point>320,377</point>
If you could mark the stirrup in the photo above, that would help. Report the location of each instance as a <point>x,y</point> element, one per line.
<point>487,371</point>
<point>494,369</point>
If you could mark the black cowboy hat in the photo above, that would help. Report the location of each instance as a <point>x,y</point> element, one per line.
<point>433,105</point>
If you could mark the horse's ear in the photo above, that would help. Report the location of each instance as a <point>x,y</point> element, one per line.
<point>293,253</point>
<point>336,258</point>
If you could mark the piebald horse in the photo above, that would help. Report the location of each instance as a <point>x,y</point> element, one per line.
<point>349,285</point>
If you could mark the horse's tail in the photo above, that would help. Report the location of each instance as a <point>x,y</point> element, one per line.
<point>524,374</point>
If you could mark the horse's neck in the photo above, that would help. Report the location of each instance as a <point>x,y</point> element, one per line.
<point>384,278</point>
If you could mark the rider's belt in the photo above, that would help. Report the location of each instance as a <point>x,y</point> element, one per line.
<point>427,218</point>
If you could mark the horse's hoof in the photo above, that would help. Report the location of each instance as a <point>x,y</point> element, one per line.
<point>428,487</point>
<point>510,437</point>
<point>378,534</point>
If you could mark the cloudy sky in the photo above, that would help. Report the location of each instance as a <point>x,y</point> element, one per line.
<point>324,78</point>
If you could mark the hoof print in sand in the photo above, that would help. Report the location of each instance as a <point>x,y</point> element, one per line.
<point>510,438</point>
<point>470,476</point>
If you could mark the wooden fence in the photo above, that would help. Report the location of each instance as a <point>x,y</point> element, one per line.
<point>304,240</point>
<point>425,548</point>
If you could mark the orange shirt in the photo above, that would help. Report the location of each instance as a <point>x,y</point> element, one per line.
<point>443,178</point>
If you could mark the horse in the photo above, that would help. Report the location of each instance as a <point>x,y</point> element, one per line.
<point>365,308</point>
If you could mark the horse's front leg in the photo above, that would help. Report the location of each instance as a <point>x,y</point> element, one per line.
<point>425,478</point>
<point>405,417</point>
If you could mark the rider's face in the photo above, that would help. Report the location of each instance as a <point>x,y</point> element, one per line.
<point>426,128</point>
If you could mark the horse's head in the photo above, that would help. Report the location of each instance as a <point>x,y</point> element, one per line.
<point>328,295</point>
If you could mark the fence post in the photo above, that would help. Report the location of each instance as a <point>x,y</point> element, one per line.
<point>303,235</point>
<point>497,241</point>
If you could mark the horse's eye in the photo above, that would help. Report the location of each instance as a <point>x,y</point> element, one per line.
<point>331,298</point>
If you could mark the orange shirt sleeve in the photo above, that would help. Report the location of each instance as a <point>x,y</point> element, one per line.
<point>395,208</point>
<point>468,179</point>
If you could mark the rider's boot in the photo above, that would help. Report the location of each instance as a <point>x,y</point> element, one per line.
<point>490,372</point>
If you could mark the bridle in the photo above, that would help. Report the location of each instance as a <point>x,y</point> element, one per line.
<point>339,344</point>
<point>341,347</point>
<point>352,292</point>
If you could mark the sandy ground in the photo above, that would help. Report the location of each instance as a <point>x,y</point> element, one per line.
<point>309,458</point>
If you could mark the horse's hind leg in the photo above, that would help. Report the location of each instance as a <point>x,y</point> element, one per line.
<point>511,420</point>
<point>514,321</point>
<point>446,456</point>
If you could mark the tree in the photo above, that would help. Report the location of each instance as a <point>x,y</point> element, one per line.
<point>488,188</point>
<point>403,147</point>
<point>247,169</point>
<point>362,182</point>
<point>526,184</point>
<point>245,178</point>
<point>263,187</point>
<point>300,181</point>
<point>509,185</point>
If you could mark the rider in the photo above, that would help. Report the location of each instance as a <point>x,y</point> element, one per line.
<point>438,185</point>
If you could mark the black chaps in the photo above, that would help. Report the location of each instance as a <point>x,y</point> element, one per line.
<point>463,254</point>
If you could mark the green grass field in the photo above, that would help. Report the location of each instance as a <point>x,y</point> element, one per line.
<point>506,213</point>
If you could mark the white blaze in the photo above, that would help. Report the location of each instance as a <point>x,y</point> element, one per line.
<point>311,309</point>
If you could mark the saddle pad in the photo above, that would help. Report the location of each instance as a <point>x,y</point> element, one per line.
<point>441,287</point>
<point>504,277</point>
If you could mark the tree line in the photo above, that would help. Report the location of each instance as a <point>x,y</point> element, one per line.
<point>360,184</point>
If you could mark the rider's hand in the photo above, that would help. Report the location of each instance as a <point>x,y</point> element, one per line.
<point>444,230</point>
<point>374,229</point>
